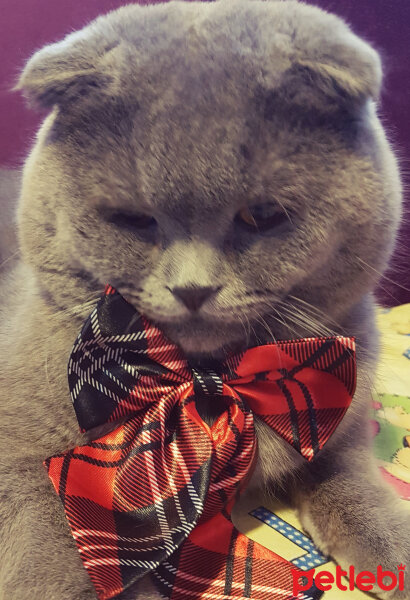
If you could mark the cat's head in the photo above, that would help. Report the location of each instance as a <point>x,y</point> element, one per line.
<point>216,162</point>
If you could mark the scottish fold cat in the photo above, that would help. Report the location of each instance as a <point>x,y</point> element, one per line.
<point>223,166</point>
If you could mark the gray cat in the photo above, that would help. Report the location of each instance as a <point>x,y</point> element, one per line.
<point>221,164</point>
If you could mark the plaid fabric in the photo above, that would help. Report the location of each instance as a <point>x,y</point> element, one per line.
<point>154,495</point>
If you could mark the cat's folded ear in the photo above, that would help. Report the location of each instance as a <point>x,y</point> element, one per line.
<point>329,76</point>
<point>69,71</point>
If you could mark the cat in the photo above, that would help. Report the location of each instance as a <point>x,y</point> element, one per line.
<point>223,166</point>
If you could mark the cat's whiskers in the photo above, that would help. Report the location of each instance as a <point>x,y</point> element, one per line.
<point>370,268</point>
<point>257,338</point>
<point>284,210</point>
<point>249,327</point>
<point>309,315</point>
<point>280,320</point>
<point>311,308</point>
<point>9,258</point>
<point>265,325</point>
<point>271,305</point>
<point>280,317</point>
<point>79,309</point>
<point>318,328</point>
<point>245,329</point>
<point>306,321</point>
<point>249,308</point>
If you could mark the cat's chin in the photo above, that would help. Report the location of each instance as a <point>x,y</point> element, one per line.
<point>201,340</point>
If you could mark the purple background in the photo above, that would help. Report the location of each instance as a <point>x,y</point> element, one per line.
<point>26,26</point>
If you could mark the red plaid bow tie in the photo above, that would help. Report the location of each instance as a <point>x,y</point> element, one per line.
<point>155,494</point>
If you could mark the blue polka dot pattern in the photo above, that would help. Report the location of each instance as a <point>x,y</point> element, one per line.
<point>313,558</point>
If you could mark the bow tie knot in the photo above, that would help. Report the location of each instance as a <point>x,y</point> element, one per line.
<point>207,383</point>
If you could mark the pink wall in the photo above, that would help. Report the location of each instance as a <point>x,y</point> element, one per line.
<point>27,25</point>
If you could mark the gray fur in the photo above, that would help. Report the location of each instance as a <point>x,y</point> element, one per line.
<point>189,112</point>
<point>9,191</point>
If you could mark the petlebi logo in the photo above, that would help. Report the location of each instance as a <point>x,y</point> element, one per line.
<point>362,580</point>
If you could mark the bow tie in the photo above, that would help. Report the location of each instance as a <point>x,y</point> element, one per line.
<point>154,495</point>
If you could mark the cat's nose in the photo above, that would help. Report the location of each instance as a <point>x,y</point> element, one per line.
<point>194,296</point>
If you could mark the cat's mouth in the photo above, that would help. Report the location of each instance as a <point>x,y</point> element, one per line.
<point>198,337</point>
<point>200,334</point>
<point>197,334</point>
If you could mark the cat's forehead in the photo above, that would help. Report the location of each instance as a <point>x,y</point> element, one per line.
<point>170,114</point>
<point>189,177</point>
<point>191,165</point>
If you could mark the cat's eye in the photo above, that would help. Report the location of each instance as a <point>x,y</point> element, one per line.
<point>131,220</point>
<point>262,217</point>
